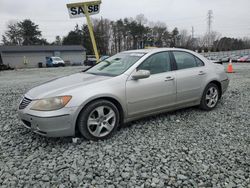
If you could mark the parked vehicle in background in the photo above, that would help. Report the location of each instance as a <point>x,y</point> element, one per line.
<point>245,58</point>
<point>210,58</point>
<point>217,62</point>
<point>225,59</point>
<point>54,62</point>
<point>5,67</point>
<point>90,60</point>
<point>103,58</point>
<point>235,58</point>
<point>125,87</point>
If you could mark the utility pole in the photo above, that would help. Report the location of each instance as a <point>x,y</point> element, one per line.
<point>209,23</point>
<point>192,32</point>
<point>209,20</point>
<point>192,40</point>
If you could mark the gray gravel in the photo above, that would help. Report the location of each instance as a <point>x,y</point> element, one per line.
<point>186,148</point>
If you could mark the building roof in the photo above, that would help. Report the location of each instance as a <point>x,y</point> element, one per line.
<point>41,48</point>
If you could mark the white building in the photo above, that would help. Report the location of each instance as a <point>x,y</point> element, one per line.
<point>30,56</point>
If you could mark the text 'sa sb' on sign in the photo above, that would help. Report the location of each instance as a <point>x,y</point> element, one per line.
<point>77,10</point>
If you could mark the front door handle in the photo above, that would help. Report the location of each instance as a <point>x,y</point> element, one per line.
<point>169,78</point>
<point>202,73</point>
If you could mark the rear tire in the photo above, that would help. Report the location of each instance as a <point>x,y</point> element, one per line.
<point>98,120</point>
<point>210,97</point>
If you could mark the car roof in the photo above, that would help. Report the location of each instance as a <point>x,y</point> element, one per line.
<point>153,50</point>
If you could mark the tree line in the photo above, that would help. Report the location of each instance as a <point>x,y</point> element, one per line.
<point>24,32</point>
<point>123,34</point>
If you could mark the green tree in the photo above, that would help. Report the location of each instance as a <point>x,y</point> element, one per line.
<point>13,35</point>
<point>79,37</point>
<point>227,43</point>
<point>58,41</point>
<point>25,32</point>
<point>30,33</point>
<point>137,32</point>
<point>174,37</point>
<point>159,35</point>
<point>74,37</point>
<point>86,40</point>
<point>5,40</point>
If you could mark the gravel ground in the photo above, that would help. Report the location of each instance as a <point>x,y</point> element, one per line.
<point>185,148</point>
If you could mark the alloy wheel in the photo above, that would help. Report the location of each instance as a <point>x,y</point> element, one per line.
<point>101,121</point>
<point>212,97</point>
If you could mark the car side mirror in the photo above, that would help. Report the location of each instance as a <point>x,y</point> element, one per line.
<point>141,74</point>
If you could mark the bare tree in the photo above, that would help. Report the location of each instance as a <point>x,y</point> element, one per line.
<point>13,35</point>
<point>141,19</point>
<point>184,38</point>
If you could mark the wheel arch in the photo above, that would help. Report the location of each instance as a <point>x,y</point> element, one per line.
<point>216,82</point>
<point>108,98</point>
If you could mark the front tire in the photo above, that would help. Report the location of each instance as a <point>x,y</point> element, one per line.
<point>98,120</point>
<point>210,97</point>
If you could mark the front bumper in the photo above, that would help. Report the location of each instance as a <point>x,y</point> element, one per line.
<point>58,123</point>
<point>224,85</point>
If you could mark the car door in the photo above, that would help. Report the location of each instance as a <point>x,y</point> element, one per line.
<point>190,76</point>
<point>153,93</point>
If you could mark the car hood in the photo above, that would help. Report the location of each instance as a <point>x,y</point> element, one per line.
<point>61,85</point>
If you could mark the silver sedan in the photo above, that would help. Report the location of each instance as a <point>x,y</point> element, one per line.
<point>125,87</point>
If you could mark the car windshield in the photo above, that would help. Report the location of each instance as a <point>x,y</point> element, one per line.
<point>56,58</point>
<point>116,65</point>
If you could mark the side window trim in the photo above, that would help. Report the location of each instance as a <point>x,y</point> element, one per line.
<point>173,61</point>
<point>203,64</point>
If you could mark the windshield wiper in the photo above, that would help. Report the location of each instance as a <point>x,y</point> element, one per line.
<point>86,69</point>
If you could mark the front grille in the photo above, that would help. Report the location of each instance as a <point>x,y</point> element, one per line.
<point>25,102</point>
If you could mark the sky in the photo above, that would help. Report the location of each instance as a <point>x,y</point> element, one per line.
<point>231,18</point>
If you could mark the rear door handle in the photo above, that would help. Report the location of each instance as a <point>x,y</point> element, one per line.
<point>202,73</point>
<point>169,78</point>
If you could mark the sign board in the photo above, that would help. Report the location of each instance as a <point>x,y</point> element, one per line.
<point>85,9</point>
<point>77,10</point>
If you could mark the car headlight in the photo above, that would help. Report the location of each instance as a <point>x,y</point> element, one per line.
<point>50,104</point>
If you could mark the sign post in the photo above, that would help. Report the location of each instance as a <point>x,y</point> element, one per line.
<point>85,9</point>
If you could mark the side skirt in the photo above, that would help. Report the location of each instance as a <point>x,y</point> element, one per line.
<point>159,111</point>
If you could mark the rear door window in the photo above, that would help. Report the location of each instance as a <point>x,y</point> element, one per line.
<point>184,60</point>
